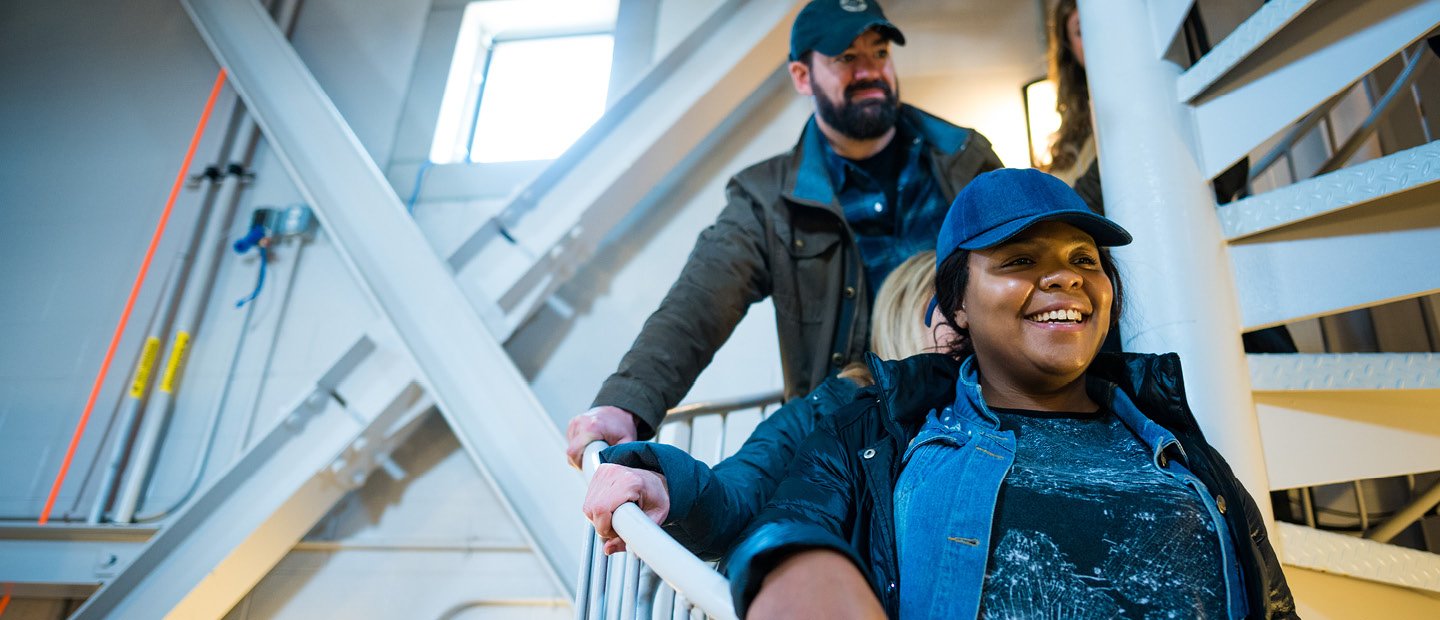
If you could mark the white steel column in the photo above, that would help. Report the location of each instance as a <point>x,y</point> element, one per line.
<point>1180,291</point>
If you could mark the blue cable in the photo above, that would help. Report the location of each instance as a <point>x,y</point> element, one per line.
<point>252,240</point>
<point>259,282</point>
<point>419,180</point>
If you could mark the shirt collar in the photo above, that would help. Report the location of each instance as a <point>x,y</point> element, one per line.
<point>970,404</point>
<point>821,177</point>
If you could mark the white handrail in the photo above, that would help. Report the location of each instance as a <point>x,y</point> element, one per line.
<point>690,576</point>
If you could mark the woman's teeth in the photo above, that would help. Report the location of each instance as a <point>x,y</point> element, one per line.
<point>1057,316</point>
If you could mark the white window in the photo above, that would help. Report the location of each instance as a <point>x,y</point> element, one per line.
<point>528,78</point>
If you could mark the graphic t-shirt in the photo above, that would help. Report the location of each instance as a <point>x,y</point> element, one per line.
<point>1087,527</point>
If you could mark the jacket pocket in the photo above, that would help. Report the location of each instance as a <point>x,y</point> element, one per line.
<point>804,284</point>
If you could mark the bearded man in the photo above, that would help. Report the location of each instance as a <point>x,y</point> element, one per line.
<point>816,229</point>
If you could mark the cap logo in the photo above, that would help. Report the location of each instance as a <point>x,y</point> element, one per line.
<point>854,6</point>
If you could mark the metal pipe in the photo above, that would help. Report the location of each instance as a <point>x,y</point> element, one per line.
<point>134,399</point>
<point>202,460</point>
<point>196,298</point>
<point>159,329</point>
<point>1406,516</point>
<point>156,332</point>
<point>1183,294</point>
<point>1367,128</point>
<point>236,350</point>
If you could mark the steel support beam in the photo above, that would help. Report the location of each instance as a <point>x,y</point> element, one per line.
<point>219,546</point>
<point>556,223</point>
<point>66,561</point>
<point>494,414</point>
<point>1321,53</point>
<point>1180,298</point>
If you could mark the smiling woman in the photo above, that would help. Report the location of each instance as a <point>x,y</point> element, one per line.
<point>1026,473</point>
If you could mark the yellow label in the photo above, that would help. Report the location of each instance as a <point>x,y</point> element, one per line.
<point>147,364</point>
<point>177,360</point>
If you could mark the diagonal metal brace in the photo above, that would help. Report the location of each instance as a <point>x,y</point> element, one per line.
<point>486,401</point>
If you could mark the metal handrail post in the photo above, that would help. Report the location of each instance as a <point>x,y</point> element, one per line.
<point>1372,121</point>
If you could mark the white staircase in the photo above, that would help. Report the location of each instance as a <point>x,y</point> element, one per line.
<point>1355,237</point>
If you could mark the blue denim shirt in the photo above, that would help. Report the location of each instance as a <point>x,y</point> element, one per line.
<point>965,505</point>
<point>886,234</point>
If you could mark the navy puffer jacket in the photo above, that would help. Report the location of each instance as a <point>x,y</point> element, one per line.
<point>709,508</point>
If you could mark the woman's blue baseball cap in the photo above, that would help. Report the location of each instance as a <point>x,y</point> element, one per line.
<point>1000,204</point>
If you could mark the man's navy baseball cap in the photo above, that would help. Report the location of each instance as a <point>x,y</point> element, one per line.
<point>1000,204</point>
<point>830,26</point>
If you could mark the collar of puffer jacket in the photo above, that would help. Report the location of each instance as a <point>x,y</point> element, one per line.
<point>910,388</point>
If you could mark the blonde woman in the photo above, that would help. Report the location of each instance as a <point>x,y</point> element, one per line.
<point>706,508</point>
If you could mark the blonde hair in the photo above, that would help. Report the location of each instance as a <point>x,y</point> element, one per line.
<point>897,324</point>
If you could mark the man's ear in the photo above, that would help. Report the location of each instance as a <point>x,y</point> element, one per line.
<point>800,77</point>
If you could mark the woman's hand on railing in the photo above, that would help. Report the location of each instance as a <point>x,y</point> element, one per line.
<point>613,486</point>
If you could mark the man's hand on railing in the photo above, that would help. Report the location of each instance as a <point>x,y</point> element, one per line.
<point>611,425</point>
<point>616,485</point>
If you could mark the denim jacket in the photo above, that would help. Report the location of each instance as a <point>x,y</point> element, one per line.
<point>974,455</point>
<point>839,494</point>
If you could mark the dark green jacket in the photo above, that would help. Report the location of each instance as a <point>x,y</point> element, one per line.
<point>781,235</point>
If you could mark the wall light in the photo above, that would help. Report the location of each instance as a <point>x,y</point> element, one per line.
<point>1041,119</point>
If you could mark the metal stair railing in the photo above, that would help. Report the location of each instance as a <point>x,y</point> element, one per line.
<point>656,577</point>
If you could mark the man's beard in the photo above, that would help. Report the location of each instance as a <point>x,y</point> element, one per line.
<point>866,120</point>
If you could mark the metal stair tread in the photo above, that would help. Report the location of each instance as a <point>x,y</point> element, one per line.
<point>1344,371</point>
<point>1329,552</point>
<point>1346,188</point>
<point>1248,37</point>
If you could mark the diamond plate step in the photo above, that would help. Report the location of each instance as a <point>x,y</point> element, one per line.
<point>1229,53</point>
<point>1359,558</point>
<point>1344,371</point>
<point>1357,186</point>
